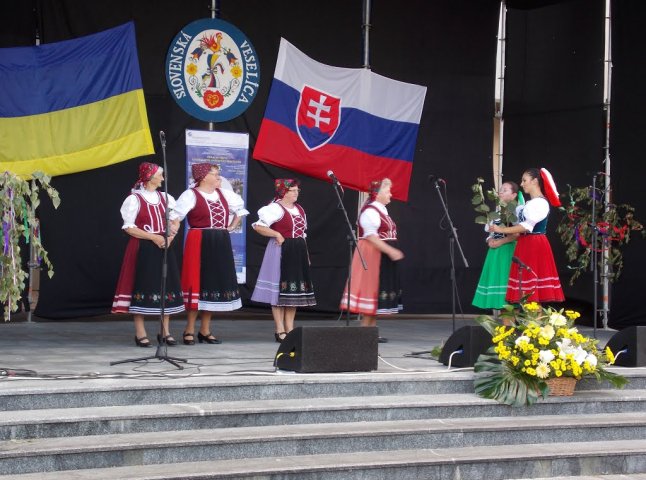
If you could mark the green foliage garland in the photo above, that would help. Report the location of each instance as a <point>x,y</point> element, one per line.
<point>614,226</point>
<point>20,199</point>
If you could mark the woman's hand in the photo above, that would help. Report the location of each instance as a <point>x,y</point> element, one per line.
<point>279,238</point>
<point>395,254</point>
<point>494,242</point>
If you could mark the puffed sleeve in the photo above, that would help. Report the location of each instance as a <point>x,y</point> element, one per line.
<point>129,211</point>
<point>184,204</point>
<point>534,211</point>
<point>236,203</point>
<point>370,222</point>
<point>268,215</point>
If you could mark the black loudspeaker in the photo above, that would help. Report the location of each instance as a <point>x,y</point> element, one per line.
<point>633,341</point>
<point>472,340</point>
<point>328,349</point>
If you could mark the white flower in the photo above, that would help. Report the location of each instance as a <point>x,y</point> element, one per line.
<point>546,356</point>
<point>521,339</point>
<point>573,330</point>
<point>591,359</point>
<point>580,355</point>
<point>547,332</point>
<point>565,347</point>
<point>542,370</point>
<point>557,319</point>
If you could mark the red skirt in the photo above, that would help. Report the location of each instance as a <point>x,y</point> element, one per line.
<point>541,281</point>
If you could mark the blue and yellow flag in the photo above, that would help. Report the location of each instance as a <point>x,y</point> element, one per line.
<point>74,105</point>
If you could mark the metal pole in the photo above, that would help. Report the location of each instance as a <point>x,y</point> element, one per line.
<point>215,13</point>
<point>365,63</point>
<point>607,84</point>
<point>500,93</point>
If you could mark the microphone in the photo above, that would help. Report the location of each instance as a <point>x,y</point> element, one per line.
<point>162,138</point>
<point>434,178</point>
<point>520,263</point>
<point>335,180</point>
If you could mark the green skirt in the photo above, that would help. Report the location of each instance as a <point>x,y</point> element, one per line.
<point>492,286</point>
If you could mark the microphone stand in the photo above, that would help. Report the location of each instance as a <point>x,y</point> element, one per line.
<point>593,253</point>
<point>352,242</point>
<point>162,347</point>
<point>453,240</point>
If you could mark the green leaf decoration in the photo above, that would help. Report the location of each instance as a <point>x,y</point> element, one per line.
<point>20,199</point>
<point>505,385</point>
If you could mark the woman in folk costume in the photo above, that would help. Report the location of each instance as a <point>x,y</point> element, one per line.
<point>492,286</point>
<point>375,291</point>
<point>209,281</point>
<point>138,289</point>
<point>540,281</point>
<point>284,279</point>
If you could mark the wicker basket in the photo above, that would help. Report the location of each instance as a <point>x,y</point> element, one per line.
<point>561,386</point>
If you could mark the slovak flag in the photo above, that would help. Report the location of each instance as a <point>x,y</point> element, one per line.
<point>358,124</point>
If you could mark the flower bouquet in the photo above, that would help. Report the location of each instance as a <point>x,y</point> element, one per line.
<point>538,344</point>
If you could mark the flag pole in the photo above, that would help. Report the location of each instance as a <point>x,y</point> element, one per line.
<point>365,63</point>
<point>215,13</point>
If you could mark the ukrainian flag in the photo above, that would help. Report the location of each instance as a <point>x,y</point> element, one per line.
<point>74,105</point>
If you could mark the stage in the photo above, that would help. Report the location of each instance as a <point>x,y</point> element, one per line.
<point>86,347</point>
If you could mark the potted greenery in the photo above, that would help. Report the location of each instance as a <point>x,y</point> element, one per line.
<point>535,352</point>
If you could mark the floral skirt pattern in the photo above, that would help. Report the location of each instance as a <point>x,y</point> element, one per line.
<point>139,286</point>
<point>284,279</point>
<point>209,280</point>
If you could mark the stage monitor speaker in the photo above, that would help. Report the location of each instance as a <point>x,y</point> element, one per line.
<point>472,340</point>
<point>633,341</point>
<point>328,349</point>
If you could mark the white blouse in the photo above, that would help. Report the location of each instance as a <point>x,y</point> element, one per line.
<point>270,214</point>
<point>130,206</point>
<point>186,203</point>
<point>370,220</point>
<point>534,211</point>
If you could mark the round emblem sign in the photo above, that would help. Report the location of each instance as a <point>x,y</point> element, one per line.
<point>212,70</point>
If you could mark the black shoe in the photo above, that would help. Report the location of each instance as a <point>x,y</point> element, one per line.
<point>191,341</point>
<point>142,342</point>
<point>278,337</point>
<point>208,338</point>
<point>168,340</point>
<point>382,340</point>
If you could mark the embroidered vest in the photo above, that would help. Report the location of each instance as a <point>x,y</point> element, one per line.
<point>291,226</point>
<point>151,217</point>
<point>209,214</point>
<point>387,228</point>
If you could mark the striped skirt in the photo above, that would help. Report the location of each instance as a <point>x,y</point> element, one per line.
<point>139,286</point>
<point>284,279</point>
<point>209,280</point>
<point>377,290</point>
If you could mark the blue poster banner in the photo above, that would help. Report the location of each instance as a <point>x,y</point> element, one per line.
<point>231,152</point>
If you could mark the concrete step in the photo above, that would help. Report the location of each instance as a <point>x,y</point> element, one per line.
<point>72,453</point>
<point>30,424</point>
<point>154,389</point>
<point>605,457</point>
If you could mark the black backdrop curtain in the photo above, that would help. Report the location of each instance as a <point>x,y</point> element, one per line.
<point>448,45</point>
<point>554,118</point>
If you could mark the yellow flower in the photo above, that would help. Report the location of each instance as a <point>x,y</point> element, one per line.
<point>572,315</point>
<point>611,357</point>
<point>532,307</point>
<point>547,332</point>
<point>236,71</point>
<point>191,69</point>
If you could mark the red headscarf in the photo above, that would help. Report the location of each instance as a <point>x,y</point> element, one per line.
<point>282,186</point>
<point>549,185</point>
<point>146,172</point>
<point>201,170</point>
